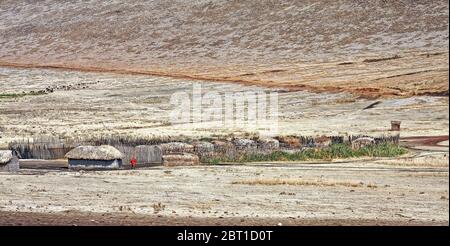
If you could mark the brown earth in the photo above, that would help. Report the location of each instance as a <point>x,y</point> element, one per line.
<point>372,49</point>
<point>106,219</point>
<point>92,105</point>
<point>424,140</point>
<point>407,190</point>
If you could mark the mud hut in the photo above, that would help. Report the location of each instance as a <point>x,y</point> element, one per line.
<point>183,159</point>
<point>244,144</point>
<point>176,148</point>
<point>289,142</point>
<point>395,125</point>
<point>362,142</point>
<point>148,155</point>
<point>179,154</point>
<point>8,161</point>
<point>268,144</point>
<point>203,149</point>
<point>94,157</point>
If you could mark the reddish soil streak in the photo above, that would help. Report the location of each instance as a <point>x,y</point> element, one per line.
<point>368,93</point>
<point>424,140</point>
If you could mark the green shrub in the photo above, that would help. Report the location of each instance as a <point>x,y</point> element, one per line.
<point>335,151</point>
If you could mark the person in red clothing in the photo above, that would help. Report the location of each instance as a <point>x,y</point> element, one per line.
<point>133,162</point>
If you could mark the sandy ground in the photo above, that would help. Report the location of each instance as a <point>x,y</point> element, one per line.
<point>327,60</point>
<point>408,190</point>
<point>99,104</point>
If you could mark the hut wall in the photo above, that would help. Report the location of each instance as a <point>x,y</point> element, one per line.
<point>394,138</point>
<point>77,164</point>
<point>44,147</point>
<point>41,148</point>
<point>146,155</point>
<point>182,159</point>
<point>11,166</point>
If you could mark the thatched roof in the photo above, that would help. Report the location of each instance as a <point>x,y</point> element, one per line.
<point>176,147</point>
<point>5,156</point>
<point>201,147</point>
<point>184,159</point>
<point>104,152</point>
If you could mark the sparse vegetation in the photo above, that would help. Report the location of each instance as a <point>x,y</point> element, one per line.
<point>304,182</point>
<point>18,95</point>
<point>335,151</point>
<point>427,161</point>
<point>158,207</point>
<point>382,59</point>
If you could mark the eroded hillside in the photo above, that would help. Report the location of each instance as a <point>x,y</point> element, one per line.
<point>370,48</point>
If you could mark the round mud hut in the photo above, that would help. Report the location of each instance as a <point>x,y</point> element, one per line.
<point>8,161</point>
<point>94,157</point>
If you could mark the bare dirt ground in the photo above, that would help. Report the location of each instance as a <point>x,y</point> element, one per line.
<point>411,190</point>
<point>372,49</point>
<point>438,143</point>
<point>71,218</point>
<point>327,60</point>
<point>101,104</point>
<point>119,63</point>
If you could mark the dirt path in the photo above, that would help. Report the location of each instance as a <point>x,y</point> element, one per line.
<point>409,190</point>
<point>429,143</point>
<point>424,140</point>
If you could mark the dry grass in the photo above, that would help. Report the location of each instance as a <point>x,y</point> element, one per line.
<point>202,206</point>
<point>432,161</point>
<point>303,182</point>
<point>158,207</point>
<point>428,174</point>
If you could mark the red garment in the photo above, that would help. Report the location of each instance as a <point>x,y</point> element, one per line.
<point>133,162</point>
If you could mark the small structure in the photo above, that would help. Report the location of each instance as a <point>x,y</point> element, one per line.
<point>268,144</point>
<point>179,154</point>
<point>395,125</point>
<point>182,159</point>
<point>244,144</point>
<point>289,142</point>
<point>322,142</point>
<point>176,147</point>
<point>94,157</point>
<point>203,149</point>
<point>8,161</point>
<point>148,155</point>
<point>362,142</point>
<point>222,146</point>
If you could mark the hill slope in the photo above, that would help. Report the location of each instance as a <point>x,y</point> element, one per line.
<point>376,48</point>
